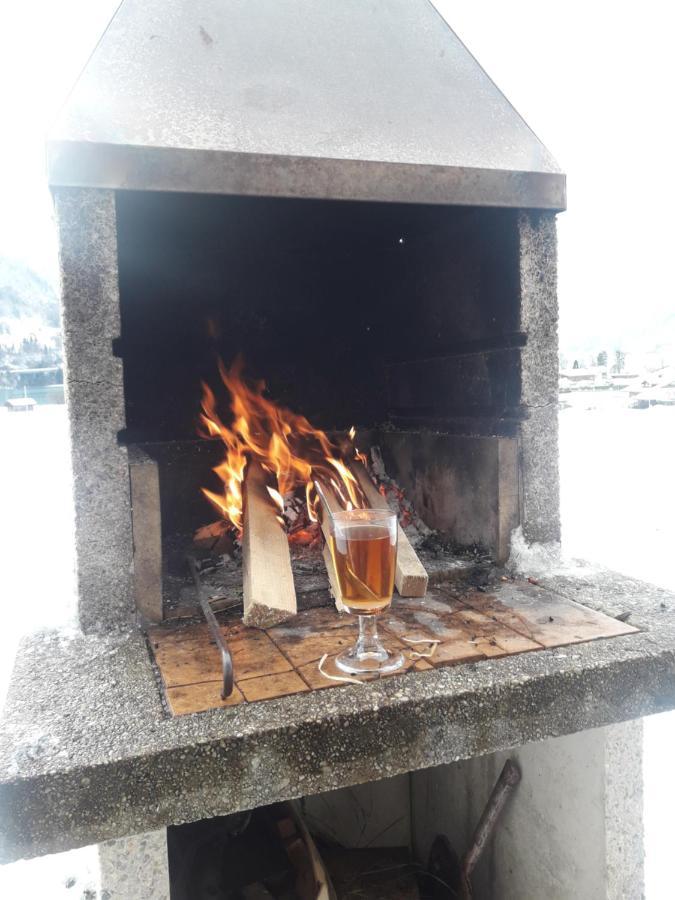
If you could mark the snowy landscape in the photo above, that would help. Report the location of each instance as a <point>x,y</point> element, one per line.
<point>31,348</point>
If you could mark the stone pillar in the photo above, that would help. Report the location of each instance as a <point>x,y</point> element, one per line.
<point>132,868</point>
<point>95,400</point>
<point>135,867</point>
<point>539,377</point>
<point>571,831</point>
<point>624,810</point>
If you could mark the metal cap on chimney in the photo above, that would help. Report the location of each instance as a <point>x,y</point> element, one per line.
<point>297,98</point>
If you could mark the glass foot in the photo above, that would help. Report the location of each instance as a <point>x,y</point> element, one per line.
<point>369,662</point>
<point>368,656</point>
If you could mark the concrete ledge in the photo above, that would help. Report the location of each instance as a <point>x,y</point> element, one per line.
<point>89,164</point>
<point>87,753</point>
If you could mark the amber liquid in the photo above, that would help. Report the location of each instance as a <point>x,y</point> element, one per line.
<point>365,563</point>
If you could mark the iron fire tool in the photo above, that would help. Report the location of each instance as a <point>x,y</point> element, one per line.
<point>452,876</point>
<point>214,628</point>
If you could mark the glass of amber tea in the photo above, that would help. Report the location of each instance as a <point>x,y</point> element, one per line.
<point>363,548</point>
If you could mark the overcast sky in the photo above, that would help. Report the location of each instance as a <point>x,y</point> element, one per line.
<point>593,79</point>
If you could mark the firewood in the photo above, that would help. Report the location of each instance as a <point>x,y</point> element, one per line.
<point>213,539</point>
<point>321,889</point>
<point>269,592</point>
<point>330,503</point>
<point>411,578</point>
<point>332,579</point>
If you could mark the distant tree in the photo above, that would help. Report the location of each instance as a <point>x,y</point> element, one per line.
<point>576,364</point>
<point>562,361</point>
<point>620,361</point>
<point>29,344</point>
<point>602,358</point>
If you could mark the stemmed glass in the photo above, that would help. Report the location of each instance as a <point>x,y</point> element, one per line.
<point>363,547</point>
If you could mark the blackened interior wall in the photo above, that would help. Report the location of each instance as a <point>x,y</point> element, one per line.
<point>354,313</point>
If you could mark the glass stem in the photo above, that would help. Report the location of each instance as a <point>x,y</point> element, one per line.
<point>368,641</point>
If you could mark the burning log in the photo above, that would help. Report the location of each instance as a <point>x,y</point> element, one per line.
<point>411,577</point>
<point>214,539</point>
<point>269,592</point>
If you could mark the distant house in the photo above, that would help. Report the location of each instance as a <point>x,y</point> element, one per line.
<point>21,404</point>
<point>664,377</point>
<point>587,378</point>
<point>653,397</point>
<point>587,373</point>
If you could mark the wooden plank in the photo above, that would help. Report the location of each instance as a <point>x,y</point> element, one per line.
<point>329,503</point>
<point>270,686</point>
<point>332,578</point>
<point>192,698</point>
<point>269,592</point>
<point>146,524</point>
<point>322,887</point>
<point>411,577</point>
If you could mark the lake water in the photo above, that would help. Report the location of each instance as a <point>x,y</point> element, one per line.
<point>46,395</point>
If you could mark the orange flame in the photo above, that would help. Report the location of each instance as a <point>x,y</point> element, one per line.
<point>285,444</point>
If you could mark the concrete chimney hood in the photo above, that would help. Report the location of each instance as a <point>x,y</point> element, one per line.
<point>349,100</point>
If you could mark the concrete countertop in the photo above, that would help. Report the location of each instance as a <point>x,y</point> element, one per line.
<point>88,753</point>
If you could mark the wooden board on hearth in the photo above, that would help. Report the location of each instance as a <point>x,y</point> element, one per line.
<point>514,617</point>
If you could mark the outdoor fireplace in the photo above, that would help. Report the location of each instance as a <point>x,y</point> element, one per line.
<point>431,328</point>
<point>403,320</point>
<point>404,285</point>
<point>338,193</point>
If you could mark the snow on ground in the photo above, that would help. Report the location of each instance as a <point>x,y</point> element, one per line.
<point>38,586</point>
<point>618,509</point>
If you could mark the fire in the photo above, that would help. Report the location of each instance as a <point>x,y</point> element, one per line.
<point>284,443</point>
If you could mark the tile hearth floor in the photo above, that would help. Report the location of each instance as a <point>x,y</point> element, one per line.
<point>516,617</point>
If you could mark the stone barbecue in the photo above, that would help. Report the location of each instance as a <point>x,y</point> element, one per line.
<point>338,192</point>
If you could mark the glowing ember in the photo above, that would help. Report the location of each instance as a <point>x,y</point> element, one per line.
<point>285,444</point>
